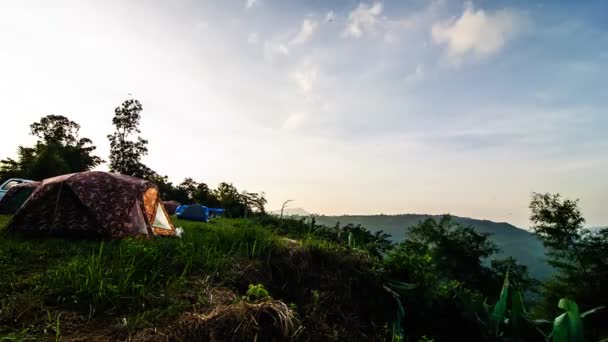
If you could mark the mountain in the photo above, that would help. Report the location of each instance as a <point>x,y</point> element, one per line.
<point>291,212</point>
<point>512,241</point>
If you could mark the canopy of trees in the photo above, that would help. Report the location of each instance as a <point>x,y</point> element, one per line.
<point>58,150</point>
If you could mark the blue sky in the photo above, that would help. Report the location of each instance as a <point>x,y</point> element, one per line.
<point>343,106</point>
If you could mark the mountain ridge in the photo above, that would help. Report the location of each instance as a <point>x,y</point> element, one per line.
<point>513,241</point>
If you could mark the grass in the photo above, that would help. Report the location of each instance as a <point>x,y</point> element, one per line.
<point>141,279</point>
<point>116,289</point>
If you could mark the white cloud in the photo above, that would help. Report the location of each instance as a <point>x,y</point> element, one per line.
<point>294,120</point>
<point>308,29</point>
<point>330,16</point>
<point>253,38</point>
<point>250,3</point>
<point>273,50</point>
<point>305,77</point>
<point>363,18</point>
<point>476,32</point>
<point>417,75</point>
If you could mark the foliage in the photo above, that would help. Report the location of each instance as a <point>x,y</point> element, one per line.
<point>521,244</point>
<point>58,150</point>
<point>130,277</point>
<point>355,237</point>
<point>458,252</point>
<point>129,285</point>
<point>256,293</point>
<point>579,254</point>
<point>519,277</point>
<point>190,191</point>
<point>230,199</point>
<point>125,149</point>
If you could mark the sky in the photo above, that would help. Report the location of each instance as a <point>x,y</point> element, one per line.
<point>345,107</point>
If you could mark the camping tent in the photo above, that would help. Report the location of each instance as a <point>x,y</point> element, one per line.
<point>193,212</point>
<point>16,196</point>
<point>215,212</point>
<point>171,206</point>
<point>197,212</point>
<point>93,204</point>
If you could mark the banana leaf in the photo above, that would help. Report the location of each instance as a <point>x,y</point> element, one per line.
<point>498,314</point>
<point>568,327</point>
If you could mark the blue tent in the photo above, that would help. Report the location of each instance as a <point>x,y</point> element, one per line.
<point>197,212</point>
<point>216,212</point>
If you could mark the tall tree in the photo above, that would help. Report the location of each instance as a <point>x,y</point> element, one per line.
<point>190,191</point>
<point>58,150</point>
<point>126,149</point>
<point>458,252</point>
<point>579,254</point>
<point>230,199</point>
<point>254,202</point>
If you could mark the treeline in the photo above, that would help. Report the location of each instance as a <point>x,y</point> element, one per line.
<point>59,150</point>
<point>450,286</point>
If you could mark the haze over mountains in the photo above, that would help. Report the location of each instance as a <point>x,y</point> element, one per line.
<point>512,241</point>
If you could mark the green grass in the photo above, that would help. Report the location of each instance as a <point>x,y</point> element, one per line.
<point>143,280</point>
<point>52,288</point>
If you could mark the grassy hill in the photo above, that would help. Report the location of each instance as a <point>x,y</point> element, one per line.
<point>512,241</point>
<point>197,287</point>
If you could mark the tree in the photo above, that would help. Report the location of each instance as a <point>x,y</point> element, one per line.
<point>519,277</point>
<point>190,191</point>
<point>125,149</point>
<point>457,251</point>
<point>229,199</point>
<point>579,254</point>
<point>254,202</point>
<point>58,150</point>
<point>56,129</point>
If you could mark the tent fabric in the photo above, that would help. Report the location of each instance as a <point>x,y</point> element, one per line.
<point>197,212</point>
<point>91,204</point>
<point>171,206</point>
<point>193,212</point>
<point>160,220</point>
<point>16,196</point>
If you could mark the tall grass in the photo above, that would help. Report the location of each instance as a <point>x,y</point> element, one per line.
<point>134,277</point>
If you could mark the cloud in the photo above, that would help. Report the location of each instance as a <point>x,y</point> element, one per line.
<point>305,77</point>
<point>363,18</point>
<point>253,38</point>
<point>294,120</point>
<point>330,16</point>
<point>272,51</point>
<point>250,3</point>
<point>308,29</point>
<point>416,75</point>
<point>476,32</point>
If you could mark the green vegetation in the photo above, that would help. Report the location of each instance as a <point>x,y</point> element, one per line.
<point>258,277</point>
<point>294,279</point>
<point>120,288</point>
<point>522,245</point>
<point>58,150</point>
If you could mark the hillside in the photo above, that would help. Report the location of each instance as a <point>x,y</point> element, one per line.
<point>227,280</point>
<point>512,241</point>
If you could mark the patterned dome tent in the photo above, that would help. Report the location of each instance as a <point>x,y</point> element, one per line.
<point>93,204</point>
<point>16,196</point>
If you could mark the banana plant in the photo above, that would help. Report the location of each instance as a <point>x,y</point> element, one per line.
<point>568,327</point>
<point>508,318</point>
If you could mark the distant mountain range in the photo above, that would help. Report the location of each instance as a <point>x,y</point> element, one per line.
<point>512,241</point>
